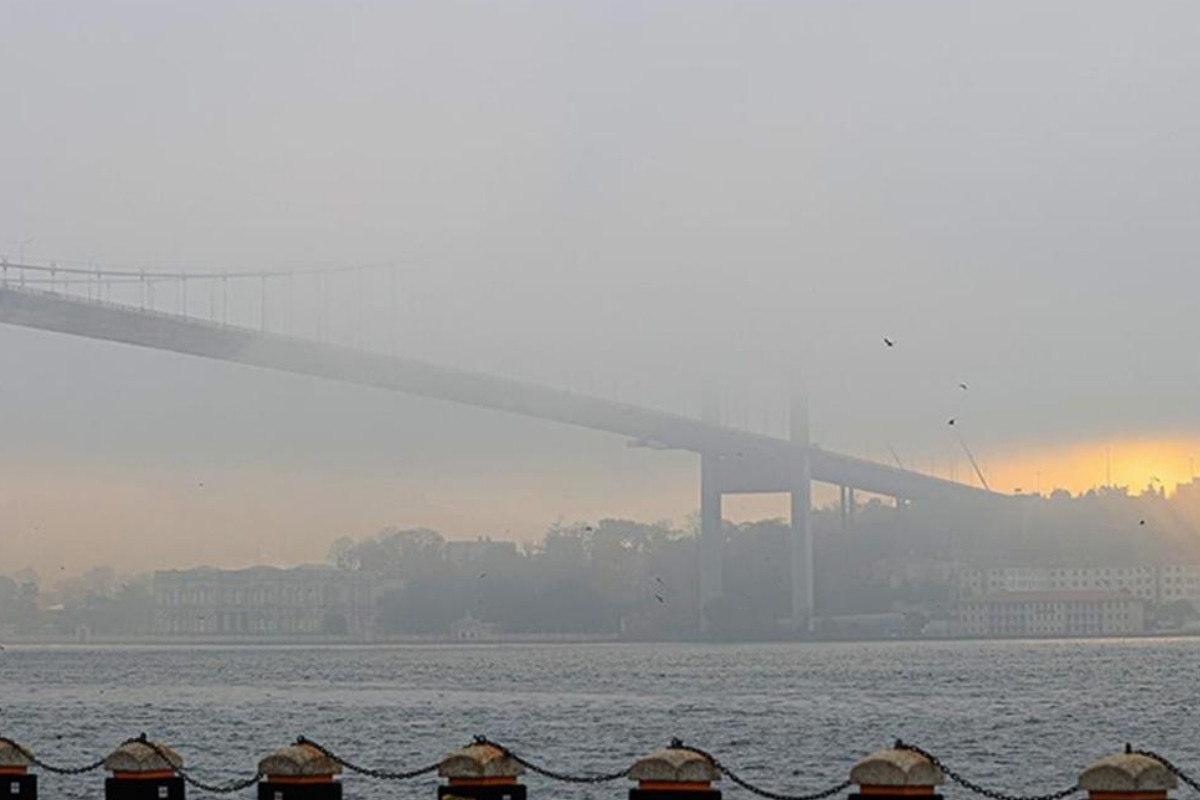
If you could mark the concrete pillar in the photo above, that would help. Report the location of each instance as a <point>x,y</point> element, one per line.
<point>480,771</point>
<point>1128,776</point>
<point>801,508</point>
<point>16,782</point>
<point>674,773</point>
<point>896,774</point>
<point>299,772</point>
<point>143,770</point>
<point>842,505</point>
<point>802,549</point>
<point>712,544</point>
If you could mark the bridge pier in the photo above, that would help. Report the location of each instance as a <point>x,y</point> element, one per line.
<point>802,552</point>
<point>801,517</point>
<point>712,542</point>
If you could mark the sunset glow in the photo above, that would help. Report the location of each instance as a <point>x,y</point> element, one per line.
<point>1135,463</point>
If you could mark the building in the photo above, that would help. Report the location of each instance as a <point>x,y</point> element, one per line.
<point>1154,584</point>
<point>469,629</point>
<point>1052,613</point>
<point>265,602</point>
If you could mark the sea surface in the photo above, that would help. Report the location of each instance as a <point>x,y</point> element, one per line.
<point>1018,716</point>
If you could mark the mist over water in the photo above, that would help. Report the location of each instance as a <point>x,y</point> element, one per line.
<point>1023,717</point>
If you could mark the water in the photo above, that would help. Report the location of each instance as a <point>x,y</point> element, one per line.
<point>1019,716</point>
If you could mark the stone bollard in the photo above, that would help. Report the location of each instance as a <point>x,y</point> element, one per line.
<point>674,773</point>
<point>480,772</point>
<point>15,779</point>
<point>299,772</point>
<point>1127,776</point>
<point>140,773</point>
<point>895,773</point>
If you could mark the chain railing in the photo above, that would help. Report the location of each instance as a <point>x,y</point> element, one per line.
<point>240,784</point>
<point>57,770</point>
<point>982,791</point>
<point>230,787</point>
<point>370,772</point>
<point>734,777</point>
<point>1190,781</point>
<point>562,777</point>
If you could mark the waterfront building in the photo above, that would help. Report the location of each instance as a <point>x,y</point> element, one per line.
<point>1052,613</point>
<point>265,602</point>
<point>1159,584</point>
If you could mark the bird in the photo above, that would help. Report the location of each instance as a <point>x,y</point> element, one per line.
<point>951,421</point>
<point>888,342</point>
<point>1142,522</point>
<point>482,575</point>
<point>201,484</point>
<point>962,386</point>
<point>659,579</point>
<point>659,597</point>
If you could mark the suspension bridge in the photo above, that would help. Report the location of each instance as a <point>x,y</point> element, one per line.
<point>348,333</point>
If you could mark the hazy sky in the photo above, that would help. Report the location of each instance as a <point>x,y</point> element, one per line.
<point>635,197</point>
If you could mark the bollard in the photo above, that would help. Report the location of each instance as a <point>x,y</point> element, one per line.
<point>480,772</point>
<point>299,772</point>
<point>15,779</point>
<point>1127,776</point>
<point>674,773</point>
<point>895,773</point>
<point>140,773</point>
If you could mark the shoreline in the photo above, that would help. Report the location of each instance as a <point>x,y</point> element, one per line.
<point>503,641</point>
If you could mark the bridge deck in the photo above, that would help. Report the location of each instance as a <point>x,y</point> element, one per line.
<point>126,324</point>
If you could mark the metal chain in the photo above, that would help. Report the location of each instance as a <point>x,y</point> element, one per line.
<point>971,786</point>
<point>549,773</point>
<point>677,744</point>
<point>381,774</point>
<point>95,765</point>
<point>1174,770</point>
<point>231,787</point>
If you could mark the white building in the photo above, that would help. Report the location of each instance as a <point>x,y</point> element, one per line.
<point>264,601</point>
<point>1053,613</point>
<point>1154,584</point>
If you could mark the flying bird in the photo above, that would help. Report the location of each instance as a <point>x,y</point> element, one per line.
<point>1142,522</point>
<point>659,579</point>
<point>951,421</point>
<point>962,386</point>
<point>659,598</point>
<point>482,575</point>
<point>888,342</point>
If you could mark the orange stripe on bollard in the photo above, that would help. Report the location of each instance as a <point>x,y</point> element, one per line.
<point>897,791</point>
<point>152,775</point>
<point>504,780</point>
<point>300,779</point>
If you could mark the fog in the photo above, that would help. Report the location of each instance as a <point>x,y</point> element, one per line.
<point>636,200</point>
